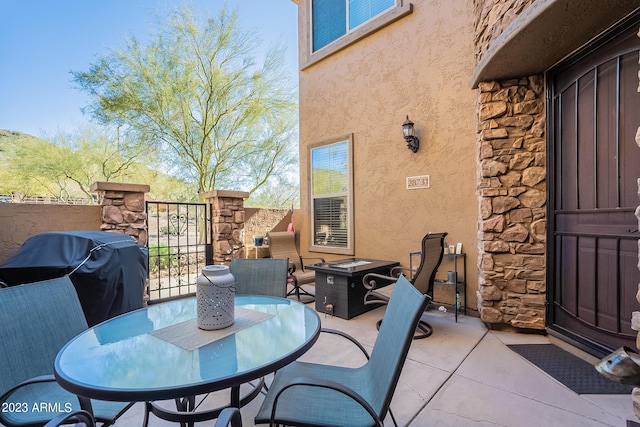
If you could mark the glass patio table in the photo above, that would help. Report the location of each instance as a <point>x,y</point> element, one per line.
<point>139,356</point>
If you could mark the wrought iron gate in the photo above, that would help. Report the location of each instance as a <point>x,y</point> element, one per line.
<point>180,237</point>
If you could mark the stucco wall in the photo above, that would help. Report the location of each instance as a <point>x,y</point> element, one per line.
<point>419,65</point>
<point>19,221</point>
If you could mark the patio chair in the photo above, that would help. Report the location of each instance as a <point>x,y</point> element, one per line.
<point>262,276</point>
<point>282,245</point>
<point>230,417</point>
<point>309,394</point>
<point>81,418</point>
<point>37,320</point>
<point>423,279</point>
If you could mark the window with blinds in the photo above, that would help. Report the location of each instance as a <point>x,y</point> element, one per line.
<point>332,19</point>
<point>331,197</point>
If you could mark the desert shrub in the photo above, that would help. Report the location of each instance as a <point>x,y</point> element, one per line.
<point>161,257</point>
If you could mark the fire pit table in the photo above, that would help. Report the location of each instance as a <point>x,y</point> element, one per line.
<point>339,290</point>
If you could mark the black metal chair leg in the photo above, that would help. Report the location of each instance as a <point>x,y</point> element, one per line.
<point>147,411</point>
<point>423,330</point>
<point>186,404</point>
<point>298,290</point>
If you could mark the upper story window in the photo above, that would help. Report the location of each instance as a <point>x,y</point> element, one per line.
<point>332,19</point>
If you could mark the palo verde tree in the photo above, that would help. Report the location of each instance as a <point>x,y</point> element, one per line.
<point>197,94</point>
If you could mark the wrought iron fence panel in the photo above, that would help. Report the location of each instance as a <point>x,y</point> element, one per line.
<point>179,246</point>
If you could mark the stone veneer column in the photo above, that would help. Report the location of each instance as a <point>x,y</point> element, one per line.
<point>228,223</point>
<point>492,18</point>
<point>512,197</point>
<point>123,208</point>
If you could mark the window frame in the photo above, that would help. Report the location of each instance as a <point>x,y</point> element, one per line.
<point>350,248</point>
<point>376,23</point>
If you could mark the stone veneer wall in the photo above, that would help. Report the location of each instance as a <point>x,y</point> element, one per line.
<point>492,17</point>
<point>512,199</point>
<point>228,223</point>
<point>123,208</point>
<point>511,184</point>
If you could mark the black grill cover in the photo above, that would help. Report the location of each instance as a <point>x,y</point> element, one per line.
<point>110,282</point>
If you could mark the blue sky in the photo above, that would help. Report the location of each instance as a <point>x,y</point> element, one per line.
<point>41,41</point>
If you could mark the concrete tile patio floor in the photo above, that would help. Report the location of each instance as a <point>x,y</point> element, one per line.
<point>463,375</point>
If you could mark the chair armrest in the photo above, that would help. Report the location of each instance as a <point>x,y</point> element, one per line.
<point>347,336</point>
<point>291,268</point>
<point>75,416</point>
<point>369,280</point>
<point>302,260</point>
<point>396,271</point>
<point>332,385</point>
<point>229,416</point>
<point>85,402</point>
<point>35,380</point>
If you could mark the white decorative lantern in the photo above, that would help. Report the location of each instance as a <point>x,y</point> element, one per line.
<point>215,292</point>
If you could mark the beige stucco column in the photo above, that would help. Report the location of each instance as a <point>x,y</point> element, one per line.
<point>123,208</point>
<point>228,223</point>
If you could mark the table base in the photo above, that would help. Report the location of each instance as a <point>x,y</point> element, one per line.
<point>185,412</point>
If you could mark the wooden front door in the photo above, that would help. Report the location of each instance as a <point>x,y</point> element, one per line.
<point>594,166</point>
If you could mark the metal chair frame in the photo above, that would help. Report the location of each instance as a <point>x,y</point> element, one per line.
<point>335,395</point>
<point>282,244</point>
<point>379,289</point>
<point>38,319</point>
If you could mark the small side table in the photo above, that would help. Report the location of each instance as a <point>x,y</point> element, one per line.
<point>461,278</point>
<point>257,249</point>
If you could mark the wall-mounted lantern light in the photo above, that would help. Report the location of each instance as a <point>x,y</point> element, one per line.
<point>409,133</point>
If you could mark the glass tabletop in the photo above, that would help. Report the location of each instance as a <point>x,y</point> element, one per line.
<point>120,360</point>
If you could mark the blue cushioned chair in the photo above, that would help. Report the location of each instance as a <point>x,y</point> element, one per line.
<point>81,418</point>
<point>229,417</point>
<point>36,321</point>
<point>309,394</point>
<point>262,276</point>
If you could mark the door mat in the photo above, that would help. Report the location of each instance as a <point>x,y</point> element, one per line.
<point>575,373</point>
